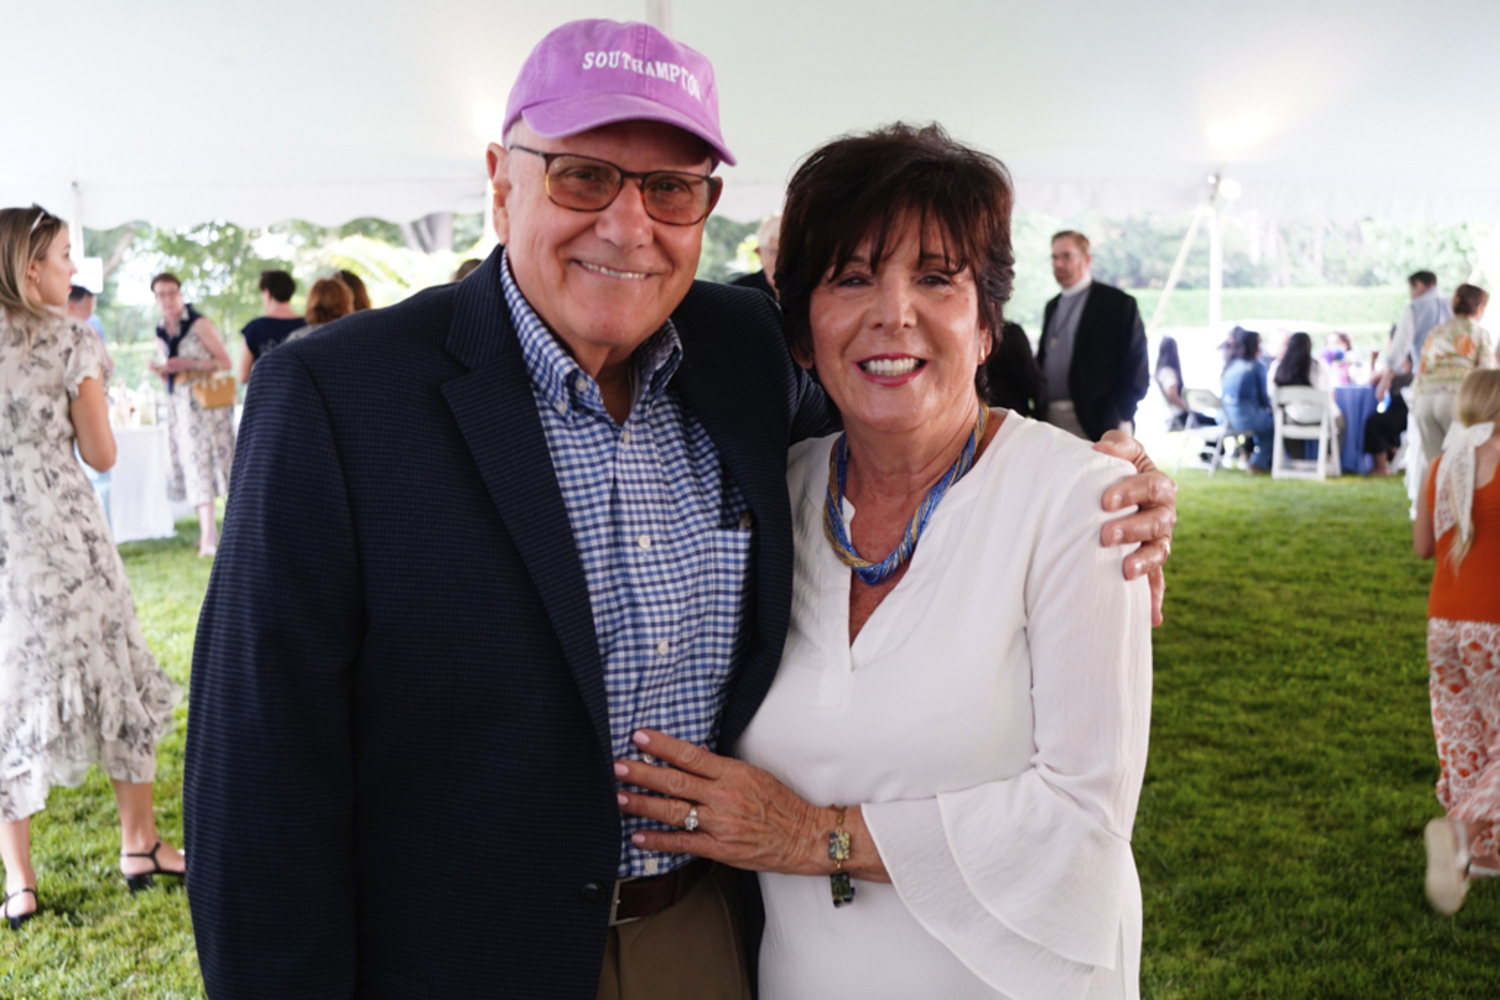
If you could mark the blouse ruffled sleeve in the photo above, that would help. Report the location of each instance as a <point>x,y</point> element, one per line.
<point>83,357</point>
<point>1030,880</point>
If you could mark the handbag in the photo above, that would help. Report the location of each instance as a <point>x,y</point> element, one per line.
<point>215,392</point>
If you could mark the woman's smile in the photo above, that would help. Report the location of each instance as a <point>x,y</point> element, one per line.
<point>891,369</point>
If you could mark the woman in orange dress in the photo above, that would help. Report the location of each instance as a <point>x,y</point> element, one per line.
<point>1458,521</point>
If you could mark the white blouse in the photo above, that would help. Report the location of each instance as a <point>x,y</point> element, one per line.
<point>992,718</point>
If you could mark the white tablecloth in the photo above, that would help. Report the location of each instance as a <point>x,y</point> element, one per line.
<point>138,504</point>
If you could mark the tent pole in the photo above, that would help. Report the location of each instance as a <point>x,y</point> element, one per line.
<point>75,222</point>
<point>659,15</point>
<point>1176,273</point>
<point>1215,268</point>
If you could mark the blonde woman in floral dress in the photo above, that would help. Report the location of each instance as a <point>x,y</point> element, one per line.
<point>78,685</point>
<point>1449,353</point>
<point>201,440</point>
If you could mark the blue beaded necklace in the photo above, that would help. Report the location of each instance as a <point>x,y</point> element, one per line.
<point>833,507</point>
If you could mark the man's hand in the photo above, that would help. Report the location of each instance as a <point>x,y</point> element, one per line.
<point>1155,494</point>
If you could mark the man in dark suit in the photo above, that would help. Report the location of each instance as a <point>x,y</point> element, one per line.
<point>474,542</point>
<point>1093,350</point>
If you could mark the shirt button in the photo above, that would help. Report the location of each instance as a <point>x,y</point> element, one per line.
<point>644,541</point>
<point>663,647</point>
<point>651,866</point>
<point>624,437</point>
<point>561,406</point>
<point>581,383</point>
<point>648,758</point>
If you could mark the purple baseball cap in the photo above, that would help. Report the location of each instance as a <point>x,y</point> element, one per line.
<point>591,73</point>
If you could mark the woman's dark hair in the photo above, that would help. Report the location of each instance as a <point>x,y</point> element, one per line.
<point>865,187</point>
<point>356,287</point>
<point>1242,344</point>
<point>1469,299</point>
<point>1167,357</point>
<point>1295,367</point>
<point>1014,380</point>
<point>279,284</point>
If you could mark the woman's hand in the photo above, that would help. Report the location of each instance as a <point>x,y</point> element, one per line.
<point>746,817</point>
<point>1155,494</point>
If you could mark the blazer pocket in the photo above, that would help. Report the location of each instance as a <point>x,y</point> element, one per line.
<point>376,983</point>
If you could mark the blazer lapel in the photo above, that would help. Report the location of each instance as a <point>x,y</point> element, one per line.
<point>1047,313</point>
<point>496,413</point>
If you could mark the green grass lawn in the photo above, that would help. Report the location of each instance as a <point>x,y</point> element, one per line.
<point>1279,837</point>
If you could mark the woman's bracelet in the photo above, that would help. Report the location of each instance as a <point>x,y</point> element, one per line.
<point>838,853</point>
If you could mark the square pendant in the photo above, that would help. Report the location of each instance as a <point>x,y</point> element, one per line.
<point>843,889</point>
<point>838,846</point>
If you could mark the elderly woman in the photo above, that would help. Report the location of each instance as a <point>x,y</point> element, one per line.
<point>200,439</point>
<point>940,786</point>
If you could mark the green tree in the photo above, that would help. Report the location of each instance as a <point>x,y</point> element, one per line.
<point>721,241</point>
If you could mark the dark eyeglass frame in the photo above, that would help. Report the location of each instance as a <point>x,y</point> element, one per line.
<point>715,184</point>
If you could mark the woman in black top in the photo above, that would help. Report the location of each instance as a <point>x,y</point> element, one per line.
<point>1015,379</point>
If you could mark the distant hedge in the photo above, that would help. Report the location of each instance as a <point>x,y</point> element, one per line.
<point>1338,307</point>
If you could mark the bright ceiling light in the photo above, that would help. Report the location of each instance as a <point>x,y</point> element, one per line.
<point>488,121</point>
<point>1232,135</point>
<point>1229,189</point>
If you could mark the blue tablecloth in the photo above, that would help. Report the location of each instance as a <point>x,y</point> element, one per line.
<point>1357,403</point>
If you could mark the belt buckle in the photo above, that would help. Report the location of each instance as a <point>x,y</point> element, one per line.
<point>614,905</point>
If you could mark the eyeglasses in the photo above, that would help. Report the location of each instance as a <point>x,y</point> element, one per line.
<point>584,184</point>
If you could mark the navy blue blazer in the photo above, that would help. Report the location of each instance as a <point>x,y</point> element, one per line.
<point>1108,375</point>
<point>398,778</point>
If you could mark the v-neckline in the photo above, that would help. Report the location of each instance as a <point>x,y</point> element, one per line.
<point>960,495</point>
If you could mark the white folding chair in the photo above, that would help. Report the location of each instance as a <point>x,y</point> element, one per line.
<point>1302,413</point>
<point>1204,402</point>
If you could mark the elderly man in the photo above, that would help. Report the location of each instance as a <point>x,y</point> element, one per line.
<point>767,242</point>
<point>1396,370</point>
<point>1428,307</point>
<point>1093,351</point>
<point>534,511</point>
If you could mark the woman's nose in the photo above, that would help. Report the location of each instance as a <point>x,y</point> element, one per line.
<point>893,305</point>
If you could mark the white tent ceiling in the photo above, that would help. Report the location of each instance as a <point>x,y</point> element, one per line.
<point>178,111</point>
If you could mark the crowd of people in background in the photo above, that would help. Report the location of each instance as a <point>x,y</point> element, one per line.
<point>1436,342</point>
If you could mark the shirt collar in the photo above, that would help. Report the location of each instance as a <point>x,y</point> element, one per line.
<point>1079,288</point>
<point>556,377</point>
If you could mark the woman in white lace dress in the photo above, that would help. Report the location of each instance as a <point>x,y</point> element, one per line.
<point>201,440</point>
<point>78,684</point>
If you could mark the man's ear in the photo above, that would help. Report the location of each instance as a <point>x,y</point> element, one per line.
<point>498,160</point>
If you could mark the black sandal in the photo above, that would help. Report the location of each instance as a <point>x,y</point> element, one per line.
<point>16,922</point>
<point>144,880</point>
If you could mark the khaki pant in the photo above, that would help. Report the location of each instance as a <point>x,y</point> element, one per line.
<point>1432,412</point>
<point>689,951</point>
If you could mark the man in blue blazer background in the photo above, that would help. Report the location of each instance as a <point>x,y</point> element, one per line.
<point>477,539</point>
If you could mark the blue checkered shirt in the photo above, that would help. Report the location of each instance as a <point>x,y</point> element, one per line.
<point>665,539</point>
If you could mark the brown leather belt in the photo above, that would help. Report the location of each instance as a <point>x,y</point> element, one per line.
<point>644,897</point>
